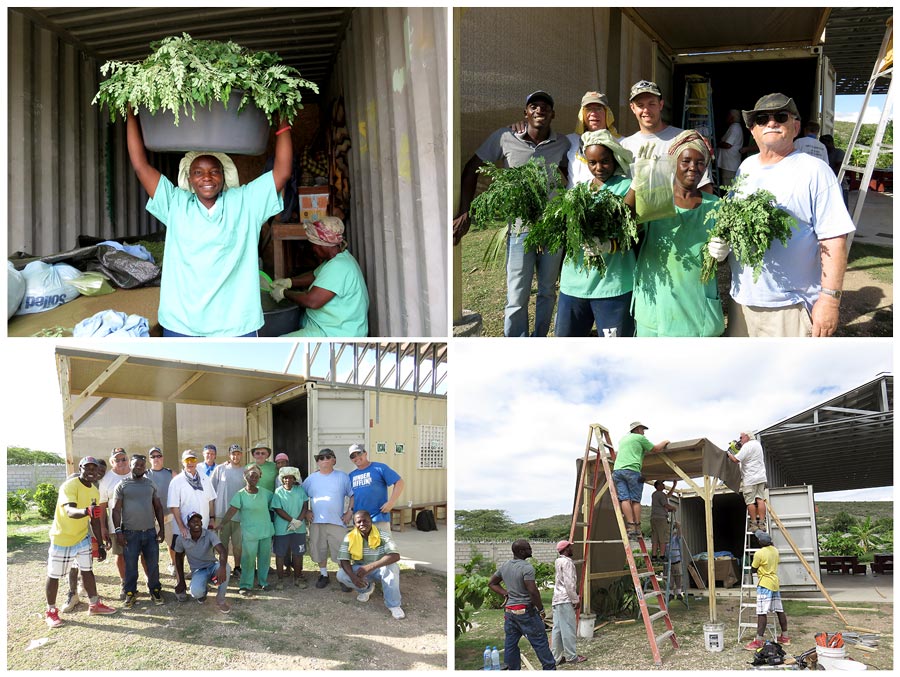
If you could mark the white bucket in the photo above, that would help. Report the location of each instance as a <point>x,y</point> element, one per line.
<point>714,635</point>
<point>586,625</point>
<point>824,651</point>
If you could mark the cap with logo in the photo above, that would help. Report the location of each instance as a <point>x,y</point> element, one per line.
<point>644,87</point>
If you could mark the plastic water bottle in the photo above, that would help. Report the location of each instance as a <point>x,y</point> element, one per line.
<point>487,658</point>
<point>495,659</point>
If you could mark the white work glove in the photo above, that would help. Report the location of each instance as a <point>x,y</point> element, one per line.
<point>282,283</point>
<point>295,525</point>
<point>277,293</point>
<point>718,249</point>
<point>596,247</point>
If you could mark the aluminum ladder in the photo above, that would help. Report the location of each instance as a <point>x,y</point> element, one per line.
<point>698,113</point>
<point>591,486</point>
<point>747,608</point>
<point>881,70</point>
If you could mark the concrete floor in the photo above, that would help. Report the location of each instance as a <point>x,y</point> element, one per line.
<point>876,224</point>
<point>423,550</point>
<point>842,588</point>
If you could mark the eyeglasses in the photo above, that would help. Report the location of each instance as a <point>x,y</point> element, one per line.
<point>122,460</point>
<point>155,455</point>
<point>780,117</point>
<point>355,454</point>
<point>322,458</point>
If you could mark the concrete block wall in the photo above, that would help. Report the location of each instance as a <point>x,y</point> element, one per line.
<point>29,476</point>
<point>500,551</point>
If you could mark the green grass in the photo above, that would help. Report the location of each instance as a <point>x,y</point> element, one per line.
<point>874,260</point>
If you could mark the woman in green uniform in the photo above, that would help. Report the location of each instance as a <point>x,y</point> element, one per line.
<point>669,297</point>
<point>257,530</point>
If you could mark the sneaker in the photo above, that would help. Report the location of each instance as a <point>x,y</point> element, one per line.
<point>52,618</point>
<point>72,601</point>
<point>244,592</point>
<point>322,582</point>
<point>100,609</point>
<point>761,526</point>
<point>301,583</point>
<point>345,588</point>
<point>784,640</point>
<point>364,596</point>
<point>157,597</point>
<point>122,595</point>
<point>130,599</point>
<point>754,645</point>
<point>397,612</point>
<point>266,588</point>
<point>201,600</point>
<point>224,607</point>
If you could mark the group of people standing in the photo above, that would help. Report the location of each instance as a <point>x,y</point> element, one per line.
<point>656,288</point>
<point>258,509</point>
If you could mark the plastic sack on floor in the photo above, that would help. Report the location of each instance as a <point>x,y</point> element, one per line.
<point>47,286</point>
<point>15,289</point>
<point>653,191</point>
<point>92,284</point>
<point>111,323</point>
<point>125,271</point>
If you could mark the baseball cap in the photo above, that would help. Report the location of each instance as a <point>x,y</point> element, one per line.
<point>191,514</point>
<point>234,447</point>
<point>539,94</point>
<point>210,447</point>
<point>117,451</point>
<point>86,461</point>
<point>644,87</point>
<point>324,453</point>
<point>188,453</point>
<point>562,545</point>
<point>594,97</point>
<point>356,448</point>
<point>770,103</point>
<point>763,537</point>
<point>152,449</point>
<point>635,424</point>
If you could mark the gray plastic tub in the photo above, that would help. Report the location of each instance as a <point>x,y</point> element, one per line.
<point>215,129</point>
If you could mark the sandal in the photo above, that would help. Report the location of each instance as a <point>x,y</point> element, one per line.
<point>578,659</point>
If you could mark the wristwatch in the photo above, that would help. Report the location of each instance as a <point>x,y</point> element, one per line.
<point>836,293</point>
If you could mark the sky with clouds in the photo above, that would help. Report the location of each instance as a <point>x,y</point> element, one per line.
<point>521,409</point>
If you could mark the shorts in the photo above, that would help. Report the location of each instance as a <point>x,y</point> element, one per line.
<point>767,600</point>
<point>659,531</point>
<point>384,525</point>
<point>168,528</point>
<point>115,548</point>
<point>293,543</point>
<point>755,491</point>
<point>325,539</point>
<point>628,485</point>
<point>60,558</point>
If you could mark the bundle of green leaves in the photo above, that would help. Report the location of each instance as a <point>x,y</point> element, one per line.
<point>182,72</point>
<point>750,224</point>
<point>580,216</point>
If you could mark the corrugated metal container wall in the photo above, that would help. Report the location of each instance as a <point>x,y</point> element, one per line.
<point>395,424</point>
<point>392,71</point>
<point>56,140</point>
<point>642,61</point>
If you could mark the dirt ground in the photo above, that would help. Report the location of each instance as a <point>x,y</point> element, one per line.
<point>289,630</point>
<point>625,647</point>
<point>867,307</point>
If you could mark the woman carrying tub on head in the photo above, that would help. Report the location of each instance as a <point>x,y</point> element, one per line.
<point>210,281</point>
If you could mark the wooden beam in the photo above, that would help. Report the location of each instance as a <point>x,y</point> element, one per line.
<point>678,471</point>
<point>196,376</point>
<point>87,392</point>
<point>89,413</point>
<point>711,560</point>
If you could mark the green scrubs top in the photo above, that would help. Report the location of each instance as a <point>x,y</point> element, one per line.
<point>256,523</point>
<point>268,475</point>
<point>347,313</point>
<point>583,283</point>
<point>210,280</point>
<point>291,502</point>
<point>669,298</point>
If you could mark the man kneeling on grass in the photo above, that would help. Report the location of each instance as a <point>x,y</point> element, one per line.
<point>201,546</point>
<point>368,554</point>
<point>70,539</point>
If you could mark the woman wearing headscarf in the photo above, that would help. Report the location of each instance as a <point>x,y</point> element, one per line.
<point>337,300</point>
<point>586,297</point>
<point>669,297</point>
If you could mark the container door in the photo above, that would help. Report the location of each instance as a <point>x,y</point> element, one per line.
<point>338,418</point>
<point>827,88</point>
<point>796,509</point>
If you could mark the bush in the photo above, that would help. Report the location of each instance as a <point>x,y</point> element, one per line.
<point>839,545</point>
<point>842,522</point>
<point>15,505</point>
<point>45,496</point>
<point>471,592</point>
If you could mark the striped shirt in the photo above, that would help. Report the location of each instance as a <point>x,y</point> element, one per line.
<point>369,555</point>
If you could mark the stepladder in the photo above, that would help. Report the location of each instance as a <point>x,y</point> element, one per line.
<point>595,480</point>
<point>747,610</point>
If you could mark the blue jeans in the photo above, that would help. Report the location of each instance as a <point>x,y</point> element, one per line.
<point>628,485</point>
<point>200,581</point>
<point>575,316</point>
<point>520,269</point>
<point>531,626</point>
<point>137,543</point>
<point>390,582</point>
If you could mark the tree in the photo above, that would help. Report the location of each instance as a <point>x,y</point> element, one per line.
<point>26,456</point>
<point>842,522</point>
<point>865,535</point>
<point>483,524</point>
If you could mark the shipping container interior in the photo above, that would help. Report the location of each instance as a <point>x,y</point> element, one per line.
<point>728,521</point>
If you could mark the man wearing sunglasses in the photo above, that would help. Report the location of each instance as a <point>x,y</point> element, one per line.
<point>799,290</point>
<point>327,518</point>
<point>118,471</point>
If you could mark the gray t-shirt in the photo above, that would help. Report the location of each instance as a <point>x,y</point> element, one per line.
<point>660,142</point>
<point>135,497</point>
<point>227,480</point>
<point>514,573</point>
<point>161,478</point>
<point>199,553</point>
<point>658,503</point>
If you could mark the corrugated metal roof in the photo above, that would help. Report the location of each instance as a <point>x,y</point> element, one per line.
<point>852,39</point>
<point>841,444</point>
<point>306,38</point>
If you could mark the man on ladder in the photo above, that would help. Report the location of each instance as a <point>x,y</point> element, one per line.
<point>753,478</point>
<point>627,474</point>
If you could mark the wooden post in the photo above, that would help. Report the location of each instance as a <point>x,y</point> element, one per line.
<point>710,558</point>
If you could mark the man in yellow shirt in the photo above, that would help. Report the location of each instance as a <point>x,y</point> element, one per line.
<point>768,596</point>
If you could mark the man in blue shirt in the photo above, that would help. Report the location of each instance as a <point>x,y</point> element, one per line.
<point>370,483</point>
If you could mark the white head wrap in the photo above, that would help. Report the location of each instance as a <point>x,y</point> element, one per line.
<point>184,168</point>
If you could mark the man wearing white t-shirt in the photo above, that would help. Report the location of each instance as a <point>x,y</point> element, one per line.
<point>798,292</point>
<point>753,479</point>
<point>119,469</point>
<point>809,143</point>
<point>647,106</point>
<point>728,157</point>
